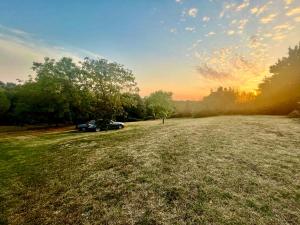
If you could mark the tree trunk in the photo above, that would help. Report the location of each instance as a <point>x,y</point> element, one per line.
<point>163,120</point>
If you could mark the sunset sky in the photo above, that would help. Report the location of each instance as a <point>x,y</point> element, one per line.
<point>185,46</point>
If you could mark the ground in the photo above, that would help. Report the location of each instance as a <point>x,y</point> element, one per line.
<point>217,170</point>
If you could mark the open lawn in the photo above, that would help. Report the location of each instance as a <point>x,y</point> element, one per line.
<point>217,170</point>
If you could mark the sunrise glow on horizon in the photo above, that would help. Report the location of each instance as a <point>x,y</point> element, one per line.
<point>187,47</point>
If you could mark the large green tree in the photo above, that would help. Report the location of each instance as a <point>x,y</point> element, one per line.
<point>107,81</point>
<point>58,83</point>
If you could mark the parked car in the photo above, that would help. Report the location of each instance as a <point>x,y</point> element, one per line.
<point>97,125</point>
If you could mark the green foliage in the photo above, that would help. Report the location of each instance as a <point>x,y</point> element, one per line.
<point>134,107</point>
<point>106,81</point>
<point>52,96</point>
<point>65,92</point>
<point>4,102</point>
<point>160,104</point>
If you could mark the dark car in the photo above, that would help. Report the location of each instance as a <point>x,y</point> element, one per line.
<point>97,125</point>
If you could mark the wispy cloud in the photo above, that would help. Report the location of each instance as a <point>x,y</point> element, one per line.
<point>206,19</point>
<point>279,37</point>
<point>195,45</point>
<point>254,10</point>
<point>173,30</point>
<point>13,31</point>
<point>190,29</point>
<point>242,23</point>
<point>258,10</point>
<point>230,32</point>
<point>294,11</point>
<point>288,2</point>
<point>233,21</point>
<point>242,5</point>
<point>267,35</point>
<point>221,15</point>
<point>267,19</point>
<point>193,12</point>
<point>226,8</point>
<point>210,34</point>
<point>285,26</point>
<point>297,19</point>
<point>211,73</point>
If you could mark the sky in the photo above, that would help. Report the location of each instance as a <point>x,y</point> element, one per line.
<point>188,47</point>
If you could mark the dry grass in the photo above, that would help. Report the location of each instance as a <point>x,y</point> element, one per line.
<point>218,170</point>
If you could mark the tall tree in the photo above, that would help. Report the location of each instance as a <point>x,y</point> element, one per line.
<point>107,81</point>
<point>58,82</point>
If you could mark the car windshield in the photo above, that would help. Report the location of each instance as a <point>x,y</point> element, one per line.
<point>92,122</point>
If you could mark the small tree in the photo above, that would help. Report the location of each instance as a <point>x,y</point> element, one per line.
<point>160,105</point>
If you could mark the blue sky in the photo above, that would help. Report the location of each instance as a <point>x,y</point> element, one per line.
<point>183,46</point>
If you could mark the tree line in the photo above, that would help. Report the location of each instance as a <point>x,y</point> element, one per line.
<point>67,92</point>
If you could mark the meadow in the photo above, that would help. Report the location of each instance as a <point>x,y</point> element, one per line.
<point>215,170</point>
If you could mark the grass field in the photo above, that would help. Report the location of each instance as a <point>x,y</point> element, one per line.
<point>219,170</point>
